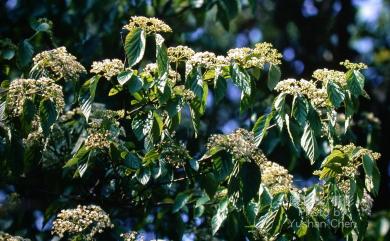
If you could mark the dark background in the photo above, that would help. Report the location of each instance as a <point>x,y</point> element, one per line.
<point>311,34</point>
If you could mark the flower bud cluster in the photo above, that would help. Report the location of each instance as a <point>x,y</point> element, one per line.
<point>149,25</point>
<point>7,237</point>
<point>353,66</point>
<point>21,90</point>
<point>131,236</point>
<point>240,144</point>
<point>172,152</point>
<point>57,64</point>
<point>262,53</point>
<point>318,96</point>
<point>107,67</point>
<point>152,70</point>
<point>275,177</point>
<point>326,75</point>
<point>83,220</point>
<point>98,140</point>
<point>179,53</point>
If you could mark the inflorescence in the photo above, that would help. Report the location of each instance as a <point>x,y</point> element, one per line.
<point>149,25</point>
<point>262,53</point>
<point>107,67</point>
<point>179,53</point>
<point>318,96</point>
<point>57,64</point>
<point>86,220</point>
<point>22,90</point>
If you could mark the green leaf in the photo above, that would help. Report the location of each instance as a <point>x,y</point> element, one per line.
<point>27,115</point>
<point>25,53</point>
<point>220,216</point>
<point>300,109</point>
<point>223,165</point>
<point>220,88</point>
<point>335,94</point>
<point>194,82</point>
<point>162,61</point>
<point>180,201</point>
<point>209,183</point>
<point>142,125</point>
<point>115,90</point>
<point>80,155</point>
<point>157,126</point>
<point>133,161</point>
<point>355,82</point>
<point>333,163</point>
<point>143,175</point>
<point>309,143</point>
<point>241,78</point>
<point>250,177</point>
<point>372,177</point>
<point>135,84</point>
<point>310,199</point>
<point>47,114</point>
<point>274,75</point>
<point>135,46</point>
<point>8,54</point>
<point>302,230</point>
<point>124,76</point>
<point>261,126</point>
<point>87,95</point>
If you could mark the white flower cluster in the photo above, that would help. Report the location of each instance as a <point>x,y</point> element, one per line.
<point>107,67</point>
<point>8,237</point>
<point>21,90</point>
<point>149,25</point>
<point>131,236</point>
<point>353,66</point>
<point>151,69</point>
<point>326,75</point>
<point>173,153</point>
<point>83,220</point>
<point>240,144</point>
<point>318,96</point>
<point>262,53</point>
<point>57,64</point>
<point>275,177</point>
<point>208,60</point>
<point>179,53</point>
<point>98,140</point>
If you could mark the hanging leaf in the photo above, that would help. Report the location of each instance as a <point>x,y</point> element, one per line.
<point>310,199</point>
<point>223,165</point>
<point>220,88</point>
<point>124,76</point>
<point>133,161</point>
<point>251,178</point>
<point>135,46</point>
<point>261,126</point>
<point>355,82</point>
<point>220,216</point>
<point>180,201</point>
<point>87,95</point>
<point>135,84</point>
<point>143,175</point>
<point>162,62</point>
<point>142,125</point>
<point>25,53</point>
<point>309,143</point>
<point>372,177</point>
<point>300,109</point>
<point>274,75</point>
<point>194,82</point>
<point>79,157</point>
<point>241,78</point>
<point>335,94</point>
<point>47,114</point>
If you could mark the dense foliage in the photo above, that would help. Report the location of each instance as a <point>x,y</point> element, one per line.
<point>117,142</point>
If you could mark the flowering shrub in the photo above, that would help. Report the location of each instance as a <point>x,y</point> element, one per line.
<point>131,155</point>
